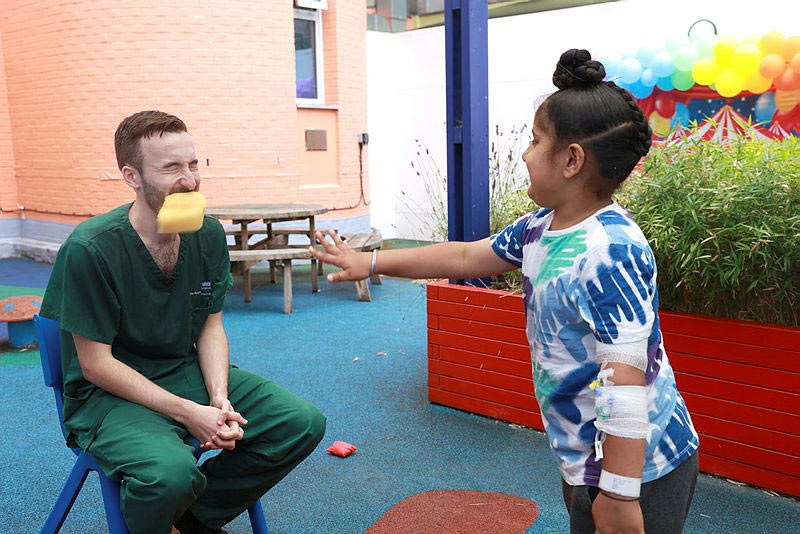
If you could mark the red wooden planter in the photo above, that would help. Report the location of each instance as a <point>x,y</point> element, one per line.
<point>740,379</point>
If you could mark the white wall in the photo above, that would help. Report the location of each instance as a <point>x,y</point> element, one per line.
<point>406,78</point>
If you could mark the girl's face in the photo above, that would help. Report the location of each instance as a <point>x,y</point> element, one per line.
<point>545,176</point>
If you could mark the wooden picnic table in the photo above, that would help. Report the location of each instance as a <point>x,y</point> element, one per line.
<point>269,248</point>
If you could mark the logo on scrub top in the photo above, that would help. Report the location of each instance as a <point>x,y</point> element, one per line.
<point>205,289</point>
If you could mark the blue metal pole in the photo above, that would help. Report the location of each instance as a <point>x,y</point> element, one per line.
<point>467,86</point>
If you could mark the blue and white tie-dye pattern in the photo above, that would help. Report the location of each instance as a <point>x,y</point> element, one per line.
<point>593,283</point>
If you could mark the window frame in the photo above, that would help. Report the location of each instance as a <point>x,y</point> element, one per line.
<point>315,16</point>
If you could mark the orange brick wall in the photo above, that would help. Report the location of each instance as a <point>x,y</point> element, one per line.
<point>8,183</point>
<point>74,69</point>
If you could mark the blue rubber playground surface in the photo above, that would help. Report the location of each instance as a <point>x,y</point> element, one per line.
<point>363,364</point>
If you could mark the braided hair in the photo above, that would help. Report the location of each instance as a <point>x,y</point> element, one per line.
<point>601,116</point>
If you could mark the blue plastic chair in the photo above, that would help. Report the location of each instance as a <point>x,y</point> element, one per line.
<point>47,332</point>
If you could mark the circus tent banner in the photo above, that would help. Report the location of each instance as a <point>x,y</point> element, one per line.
<point>727,124</point>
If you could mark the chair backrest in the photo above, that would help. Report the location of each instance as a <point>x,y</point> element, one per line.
<point>48,335</point>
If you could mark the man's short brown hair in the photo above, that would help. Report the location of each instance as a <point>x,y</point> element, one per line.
<point>138,126</point>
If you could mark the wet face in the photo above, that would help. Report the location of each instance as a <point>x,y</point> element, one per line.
<point>169,165</point>
<point>542,166</point>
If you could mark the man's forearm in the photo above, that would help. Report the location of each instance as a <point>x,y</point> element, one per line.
<point>212,350</point>
<point>126,383</point>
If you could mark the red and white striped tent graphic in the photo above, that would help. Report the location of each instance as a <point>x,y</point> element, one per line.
<point>727,124</point>
<point>678,135</point>
<point>778,132</point>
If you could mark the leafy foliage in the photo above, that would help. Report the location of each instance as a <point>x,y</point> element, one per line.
<point>723,219</point>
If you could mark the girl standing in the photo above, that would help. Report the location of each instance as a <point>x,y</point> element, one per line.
<point>617,426</point>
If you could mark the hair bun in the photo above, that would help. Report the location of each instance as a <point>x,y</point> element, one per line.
<point>576,68</point>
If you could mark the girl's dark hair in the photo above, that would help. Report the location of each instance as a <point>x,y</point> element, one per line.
<point>600,116</point>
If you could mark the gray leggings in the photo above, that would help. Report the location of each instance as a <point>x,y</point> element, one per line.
<point>664,501</point>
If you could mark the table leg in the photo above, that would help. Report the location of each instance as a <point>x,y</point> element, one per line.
<point>247,294</point>
<point>312,231</point>
<point>271,263</point>
<point>287,286</point>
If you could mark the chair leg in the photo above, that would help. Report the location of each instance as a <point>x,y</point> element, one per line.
<point>271,271</point>
<point>287,286</point>
<point>363,290</point>
<point>67,496</point>
<point>110,491</point>
<point>257,520</point>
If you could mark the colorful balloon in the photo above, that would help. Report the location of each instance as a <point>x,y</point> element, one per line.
<point>765,107</point>
<point>729,83</point>
<point>705,71</point>
<point>771,43</point>
<point>645,54</point>
<point>757,84</point>
<point>640,91</point>
<point>665,83</point>
<point>746,59</point>
<point>665,105</point>
<point>685,58</point>
<point>648,78</point>
<point>630,70</point>
<point>723,50</point>
<point>705,46</point>
<point>795,63</point>
<point>681,116</point>
<point>659,124</point>
<point>663,64</point>
<point>791,46</point>
<point>682,80</point>
<point>788,81</point>
<point>771,66</point>
<point>785,101</point>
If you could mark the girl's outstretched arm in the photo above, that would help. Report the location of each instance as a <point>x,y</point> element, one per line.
<point>452,259</point>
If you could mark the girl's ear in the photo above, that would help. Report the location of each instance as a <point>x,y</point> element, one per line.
<point>575,160</point>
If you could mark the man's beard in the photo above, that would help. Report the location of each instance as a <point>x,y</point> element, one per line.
<point>155,198</point>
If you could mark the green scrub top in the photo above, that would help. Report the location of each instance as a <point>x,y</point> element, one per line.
<point>105,286</point>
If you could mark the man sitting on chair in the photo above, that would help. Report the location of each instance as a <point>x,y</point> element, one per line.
<point>145,354</point>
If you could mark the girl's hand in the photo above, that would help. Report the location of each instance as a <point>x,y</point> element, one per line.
<point>355,265</point>
<point>616,517</point>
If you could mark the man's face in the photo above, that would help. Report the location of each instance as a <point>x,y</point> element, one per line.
<point>169,165</point>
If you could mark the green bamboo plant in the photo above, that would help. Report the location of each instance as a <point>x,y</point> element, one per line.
<point>723,219</point>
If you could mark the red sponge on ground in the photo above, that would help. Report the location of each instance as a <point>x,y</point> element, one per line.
<point>341,448</point>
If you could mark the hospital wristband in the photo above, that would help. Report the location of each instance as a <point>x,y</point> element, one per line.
<point>620,485</point>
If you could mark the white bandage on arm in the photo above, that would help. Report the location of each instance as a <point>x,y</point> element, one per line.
<point>633,354</point>
<point>622,411</point>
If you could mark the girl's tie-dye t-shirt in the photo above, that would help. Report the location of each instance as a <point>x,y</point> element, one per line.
<point>588,286</point>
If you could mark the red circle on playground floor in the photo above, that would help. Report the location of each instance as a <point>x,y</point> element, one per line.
<point>457,511</point>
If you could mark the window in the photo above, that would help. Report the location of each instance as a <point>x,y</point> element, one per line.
<point>308,56</point>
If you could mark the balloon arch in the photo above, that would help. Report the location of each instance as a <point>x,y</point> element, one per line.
<point>690,79</point>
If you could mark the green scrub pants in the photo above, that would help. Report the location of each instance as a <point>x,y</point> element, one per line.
<point>159,477</point>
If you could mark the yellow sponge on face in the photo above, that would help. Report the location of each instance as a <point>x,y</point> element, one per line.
<point>181,213</point>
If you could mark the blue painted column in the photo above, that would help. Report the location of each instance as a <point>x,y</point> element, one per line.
<point>467,59</point>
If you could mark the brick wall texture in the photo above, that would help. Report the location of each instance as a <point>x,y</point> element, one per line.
<point>70,71</point>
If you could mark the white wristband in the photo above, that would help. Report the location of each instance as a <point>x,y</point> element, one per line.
<point>625,486</point>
